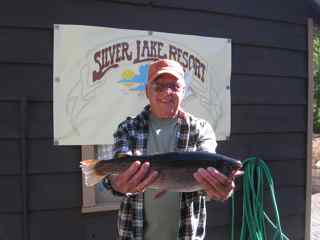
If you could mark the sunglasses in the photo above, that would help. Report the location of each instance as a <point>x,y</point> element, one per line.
<point>173,87</point>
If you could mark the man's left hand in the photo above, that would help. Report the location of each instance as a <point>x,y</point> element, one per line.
<point>215,184</point>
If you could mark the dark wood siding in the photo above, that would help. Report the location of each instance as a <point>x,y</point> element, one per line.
<point>41,183</point>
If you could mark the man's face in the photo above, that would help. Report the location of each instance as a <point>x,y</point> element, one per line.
<point>165,95</point>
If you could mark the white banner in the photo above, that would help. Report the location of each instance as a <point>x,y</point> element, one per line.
<point>100,75</point>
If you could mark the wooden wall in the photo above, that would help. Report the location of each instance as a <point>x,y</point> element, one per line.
<point>41,183</point>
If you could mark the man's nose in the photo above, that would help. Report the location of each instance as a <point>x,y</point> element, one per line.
<point>167,90</point>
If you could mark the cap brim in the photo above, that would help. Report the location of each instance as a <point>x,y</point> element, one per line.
<point>166,71</point>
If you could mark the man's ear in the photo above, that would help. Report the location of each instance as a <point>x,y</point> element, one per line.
<point>183,92</point>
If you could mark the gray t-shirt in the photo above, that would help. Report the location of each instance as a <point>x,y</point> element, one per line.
<point>162,215</point>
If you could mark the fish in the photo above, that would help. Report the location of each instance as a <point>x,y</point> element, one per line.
<point>175,168</point>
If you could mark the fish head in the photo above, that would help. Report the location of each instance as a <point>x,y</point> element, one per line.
<point>227,168</point>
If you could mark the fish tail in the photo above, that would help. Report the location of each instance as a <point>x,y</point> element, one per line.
<point>91,176</point>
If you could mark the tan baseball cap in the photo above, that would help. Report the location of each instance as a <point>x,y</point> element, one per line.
<point>162,66</point>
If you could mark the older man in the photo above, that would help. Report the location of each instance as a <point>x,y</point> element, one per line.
<point>163,127</point>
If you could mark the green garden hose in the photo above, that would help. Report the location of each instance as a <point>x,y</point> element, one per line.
<point>254,218</point>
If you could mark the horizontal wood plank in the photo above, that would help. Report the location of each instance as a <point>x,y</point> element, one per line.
<point>270,9</point>
<point>26,81</point>
<point>10,119</point>
<point>72,225</point>
<point>265,146</point>
<point>26,45</point>
<point>287,200</point>
<point>241,30</point>
<point>267,61</point>
<point>282,177</point>
<point>292,226</point>
<point>95,225</point>
<point>66,224</point>
<point>106,12</point>
<point>11,199</point>
<point>55,191</point>
<point>287,172</point>
<point>40,122</point>
<point>253,119</point>
<point>10,157</point>
<point>11,227</point>
<point>44,157</point>
<point>255,89</point>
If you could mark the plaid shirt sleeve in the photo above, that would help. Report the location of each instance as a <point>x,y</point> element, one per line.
<point>207,142</point>
<point>121,143</point>
<point>207,138</point>
<point>193,204</point>
<point>120,146</point>
<point>130,215</point>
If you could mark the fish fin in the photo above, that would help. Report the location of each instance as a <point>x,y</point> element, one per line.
<point>88,169</point>
<point>159,194</point>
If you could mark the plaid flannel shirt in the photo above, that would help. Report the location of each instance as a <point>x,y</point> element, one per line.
<point>193,134</point>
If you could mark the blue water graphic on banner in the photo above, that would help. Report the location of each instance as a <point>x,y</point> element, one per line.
<point>135,82</point>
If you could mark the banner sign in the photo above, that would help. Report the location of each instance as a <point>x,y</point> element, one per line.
<point>100,76</point>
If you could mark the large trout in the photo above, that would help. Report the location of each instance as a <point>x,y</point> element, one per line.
<point>175,168</point>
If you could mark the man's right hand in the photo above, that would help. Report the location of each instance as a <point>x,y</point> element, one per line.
<point>135,179</point>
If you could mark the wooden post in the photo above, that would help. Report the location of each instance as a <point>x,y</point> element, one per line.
<point>309,131</point>
<point>88,193</point>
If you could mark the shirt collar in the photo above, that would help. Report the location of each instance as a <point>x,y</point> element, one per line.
<point>182,115</point>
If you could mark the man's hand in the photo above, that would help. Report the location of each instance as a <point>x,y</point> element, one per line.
<point>135,179</point>
<point>217,185</point>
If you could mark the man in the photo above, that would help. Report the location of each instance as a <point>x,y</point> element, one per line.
<point>163,127</point>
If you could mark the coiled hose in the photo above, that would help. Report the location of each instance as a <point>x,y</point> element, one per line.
<point>254,218</point>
